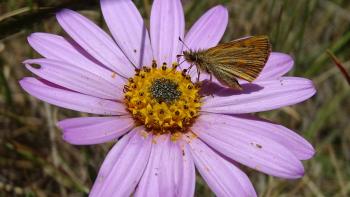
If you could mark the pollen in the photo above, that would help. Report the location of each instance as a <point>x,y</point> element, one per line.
<point>163,99</point>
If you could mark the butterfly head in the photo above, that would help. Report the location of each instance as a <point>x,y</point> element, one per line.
<point>190,56</point>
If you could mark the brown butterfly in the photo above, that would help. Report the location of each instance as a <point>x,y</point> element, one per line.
<point>243,58</point>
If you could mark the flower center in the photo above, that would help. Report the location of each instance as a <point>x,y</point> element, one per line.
<point>164,90</point>
<point>163,99</point>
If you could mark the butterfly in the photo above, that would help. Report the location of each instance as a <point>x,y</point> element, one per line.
<point>239,59</point>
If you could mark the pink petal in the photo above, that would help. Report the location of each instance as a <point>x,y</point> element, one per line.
<point>75,78</point>
<point>96,130</point>
<point>170,168</point>
<point>296,144</point>
<point>260,96</point>
<point>129,30</point>
<point>276,66</point>
<point>95,41</point>
<point>149,184</point>
<point>169,172</point>
<point>236,140</point>
<point>206,32</point>
<point>167,25</point>
<point>114,156</point>
<point>224,178</point>
<point>177,172</point>
<point>58,48</point>
<point>71,100</point>
<point>123,166</point>
<point>187,180</point>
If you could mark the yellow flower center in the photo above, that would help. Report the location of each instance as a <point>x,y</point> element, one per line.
<point>163,99</point>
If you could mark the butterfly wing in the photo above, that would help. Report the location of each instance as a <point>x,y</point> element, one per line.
<point>243,58</point>
<point>226,79</point>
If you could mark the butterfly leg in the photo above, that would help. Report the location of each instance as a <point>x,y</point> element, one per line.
<point>189,68</point>
<point>181,64</point>
<point>211,81</point>
<point>198,74</point>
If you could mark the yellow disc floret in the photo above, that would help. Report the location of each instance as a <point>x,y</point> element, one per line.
<point>163,99</point>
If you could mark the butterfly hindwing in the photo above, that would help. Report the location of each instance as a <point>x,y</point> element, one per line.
<point>226,78</point>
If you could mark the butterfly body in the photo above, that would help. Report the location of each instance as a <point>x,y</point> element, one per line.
<point>238,59</point>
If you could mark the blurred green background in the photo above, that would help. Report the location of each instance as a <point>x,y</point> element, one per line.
<point>35,161</point>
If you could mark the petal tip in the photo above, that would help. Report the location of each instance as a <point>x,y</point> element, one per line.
<point>68,140</point>
<point>300,173</point>
<point>28,83</point>
<point>73,140</point>
<point>63,13</point>
<point>222,10</point>
<point>29,67</point>
<point>37,37</point>
<point>31,38</point>
<point>60,125</point>
<point>221,7</point>
<point>24,81</point>
<point>283,59</point>
<point>297,172</point>
<point>309,153</point>
<point>311,87</point>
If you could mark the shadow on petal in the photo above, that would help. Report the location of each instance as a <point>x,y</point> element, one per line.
<point>83,52</point>
<point>212,88</point>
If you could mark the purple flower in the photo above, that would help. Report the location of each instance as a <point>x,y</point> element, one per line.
<point>167,127</point>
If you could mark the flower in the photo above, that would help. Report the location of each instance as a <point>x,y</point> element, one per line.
<point>168,123</point>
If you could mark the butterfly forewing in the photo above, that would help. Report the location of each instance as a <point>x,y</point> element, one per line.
<point>243,58</point>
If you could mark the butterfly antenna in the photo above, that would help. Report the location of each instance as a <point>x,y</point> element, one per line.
<point>180,39</point>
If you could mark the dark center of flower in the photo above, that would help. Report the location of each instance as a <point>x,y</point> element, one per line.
<point>164,90</point>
